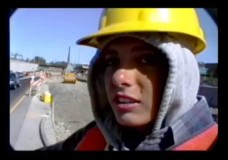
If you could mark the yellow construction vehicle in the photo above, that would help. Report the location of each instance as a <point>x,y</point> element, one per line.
<point>69,76</point>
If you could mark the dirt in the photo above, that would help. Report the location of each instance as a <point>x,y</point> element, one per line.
<point>72,108</point>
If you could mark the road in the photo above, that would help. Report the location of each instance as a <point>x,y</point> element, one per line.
<point>19,104</point>
<point>16,94</point>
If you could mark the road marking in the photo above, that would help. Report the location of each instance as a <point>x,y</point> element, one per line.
<point>18,102</point>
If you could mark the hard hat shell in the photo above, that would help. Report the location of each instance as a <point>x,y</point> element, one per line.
<point>181,23</point>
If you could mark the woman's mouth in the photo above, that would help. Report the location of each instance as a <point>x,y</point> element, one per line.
<point>125,103</point>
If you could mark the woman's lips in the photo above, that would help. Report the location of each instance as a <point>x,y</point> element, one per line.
<point>125,103</point>
<point>126,107</point>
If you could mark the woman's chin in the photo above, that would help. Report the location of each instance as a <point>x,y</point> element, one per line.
<point>131,120</point>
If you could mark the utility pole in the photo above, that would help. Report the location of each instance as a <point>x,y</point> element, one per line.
<point>79,55</point>
<point>68,58</point>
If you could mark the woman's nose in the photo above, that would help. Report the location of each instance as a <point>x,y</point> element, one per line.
<point>123,78</point>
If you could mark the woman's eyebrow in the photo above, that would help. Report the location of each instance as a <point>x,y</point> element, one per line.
<point>109,52</point>
<point>143,48</point>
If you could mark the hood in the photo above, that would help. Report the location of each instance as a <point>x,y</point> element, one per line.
<point>179,94</point>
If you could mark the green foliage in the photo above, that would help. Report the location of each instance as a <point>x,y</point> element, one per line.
<point>38,60</point>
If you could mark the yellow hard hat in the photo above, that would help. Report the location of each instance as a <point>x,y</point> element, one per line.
<point>181,23</point>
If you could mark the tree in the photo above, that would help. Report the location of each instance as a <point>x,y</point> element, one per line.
<point>62,64</point>
<point>38,60</point>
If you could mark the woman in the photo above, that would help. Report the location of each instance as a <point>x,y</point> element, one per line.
<point>143,83</point>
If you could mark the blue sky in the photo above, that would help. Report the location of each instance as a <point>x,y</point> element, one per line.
<point>48,33</point>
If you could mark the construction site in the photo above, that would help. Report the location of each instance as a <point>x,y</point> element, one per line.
<point>53,110</point>
<point>72,106</point>
<point>49,102</point>
<point>55,103</point>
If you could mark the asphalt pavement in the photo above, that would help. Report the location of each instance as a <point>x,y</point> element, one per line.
<point>17,118</point>
<point>16,94</point>
<point>30,122</point>
<point>19,103</point>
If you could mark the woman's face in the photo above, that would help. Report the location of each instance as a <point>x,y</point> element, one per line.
<point>135,77</point>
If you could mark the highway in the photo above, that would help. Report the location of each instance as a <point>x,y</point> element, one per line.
<point>16,94</point>
<point>19,104</point>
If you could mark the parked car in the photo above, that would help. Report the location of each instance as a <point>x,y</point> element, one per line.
<point>14,80</point>
<point>20,74</point>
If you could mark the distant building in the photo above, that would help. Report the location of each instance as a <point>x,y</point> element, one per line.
<point>212,69</point>
<point>204,71</point>
<point>208,69</point>
<point>208,73</point>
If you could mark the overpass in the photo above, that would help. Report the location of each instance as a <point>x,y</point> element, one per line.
<point>21,66</point>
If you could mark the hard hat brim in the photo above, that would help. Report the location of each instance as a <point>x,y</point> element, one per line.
<point>199,42</point>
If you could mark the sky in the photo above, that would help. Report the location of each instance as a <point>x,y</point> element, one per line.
<point>49,32</point>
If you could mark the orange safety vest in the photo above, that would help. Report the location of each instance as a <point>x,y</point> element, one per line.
<point>95,141</point>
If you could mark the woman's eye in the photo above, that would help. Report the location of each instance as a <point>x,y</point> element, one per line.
<point>152,59</point>
<point>111,62</point>
<point>148,60</point>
